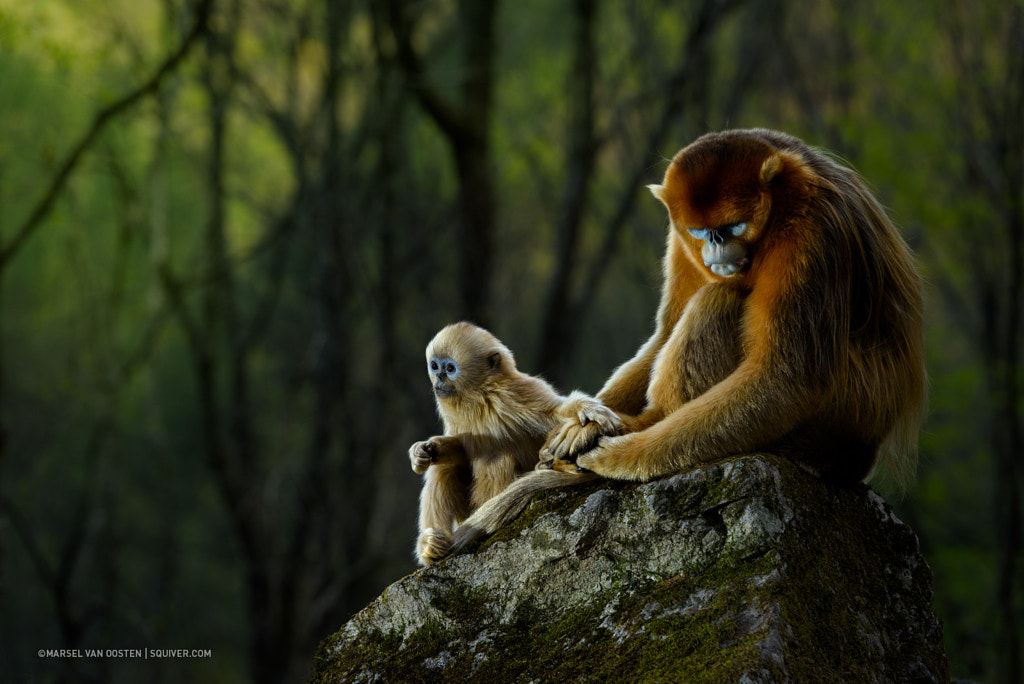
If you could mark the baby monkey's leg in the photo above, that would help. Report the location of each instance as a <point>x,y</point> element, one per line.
<point>444,499</point>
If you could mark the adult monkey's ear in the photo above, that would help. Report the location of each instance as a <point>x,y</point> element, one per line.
<point>659,192</point>
<point>494,361</point>
<point>777,162</point>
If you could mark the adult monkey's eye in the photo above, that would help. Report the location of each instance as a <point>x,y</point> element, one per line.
<point>738,229</point>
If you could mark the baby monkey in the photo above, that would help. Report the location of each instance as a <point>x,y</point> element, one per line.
<point>495,421</point>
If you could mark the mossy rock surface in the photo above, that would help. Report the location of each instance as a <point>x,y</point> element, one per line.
<point>746,570</point>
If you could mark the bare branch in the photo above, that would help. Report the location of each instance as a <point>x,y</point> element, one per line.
<point>448,117</point>
<point>709,18</point>
<point>104,117</point>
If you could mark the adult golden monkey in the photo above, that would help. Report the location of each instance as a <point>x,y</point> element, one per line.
<point>495,421</point>
<point>790,322</point>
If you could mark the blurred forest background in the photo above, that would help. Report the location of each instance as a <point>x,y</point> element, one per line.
<point>228,229</point>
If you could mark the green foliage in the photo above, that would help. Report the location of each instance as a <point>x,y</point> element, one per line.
<point>339,227</point>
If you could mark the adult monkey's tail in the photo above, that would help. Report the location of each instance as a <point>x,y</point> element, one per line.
<point>500,510</point>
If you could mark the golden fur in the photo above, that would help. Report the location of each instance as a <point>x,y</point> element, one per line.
<point>812,348</point>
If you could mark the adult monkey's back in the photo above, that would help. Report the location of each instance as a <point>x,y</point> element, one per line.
<point>790,322</point>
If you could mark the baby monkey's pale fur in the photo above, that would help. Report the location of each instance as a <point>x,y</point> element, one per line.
<point>495,421</point>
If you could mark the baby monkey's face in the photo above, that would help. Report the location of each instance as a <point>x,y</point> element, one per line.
<point>443,370</point>
<point>463,360</point>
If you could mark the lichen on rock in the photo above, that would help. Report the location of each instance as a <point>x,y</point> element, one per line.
<point>745,570</point>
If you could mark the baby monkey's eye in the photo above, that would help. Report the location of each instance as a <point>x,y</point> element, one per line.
<point>433,366</point>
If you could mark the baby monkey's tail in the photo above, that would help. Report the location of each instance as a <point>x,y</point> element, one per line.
<point>500,510</point>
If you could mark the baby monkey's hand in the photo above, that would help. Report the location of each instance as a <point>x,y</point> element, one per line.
<point>422,455</point>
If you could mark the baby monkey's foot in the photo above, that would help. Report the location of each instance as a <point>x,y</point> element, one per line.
<point>566,465</point>
<point>433,545</point>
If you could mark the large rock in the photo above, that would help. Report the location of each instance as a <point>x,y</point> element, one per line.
<point>748,570</point>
